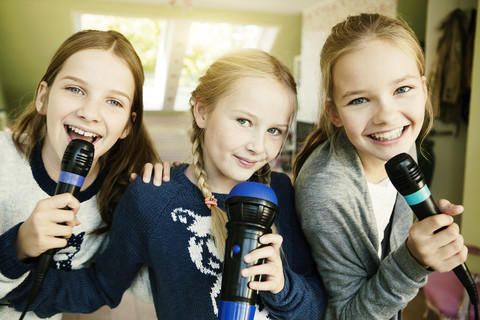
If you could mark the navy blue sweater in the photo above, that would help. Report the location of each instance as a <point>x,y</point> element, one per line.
<point>168,229</point>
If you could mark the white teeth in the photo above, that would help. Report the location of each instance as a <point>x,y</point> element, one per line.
<point>83,133</point>
<point>388,135</point>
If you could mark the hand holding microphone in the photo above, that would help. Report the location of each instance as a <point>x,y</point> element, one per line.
<point>271,271</point>
<point>441,251</point>
<point>408,179</point>
<point>76,163</point>
<point>48,226</point>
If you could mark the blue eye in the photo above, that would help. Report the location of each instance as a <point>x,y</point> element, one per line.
<point>358,101</point>
<point>403,89</point>
<point>275,131</point>
<point>243,122</point>
<point>115,103</point>
<point>74,90</point>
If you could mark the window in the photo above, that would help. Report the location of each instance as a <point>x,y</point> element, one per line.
<point>176,52</point>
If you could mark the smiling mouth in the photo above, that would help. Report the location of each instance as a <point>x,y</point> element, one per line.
<point>390,135</point>
<point>246,162</point>
<point>76,133</point>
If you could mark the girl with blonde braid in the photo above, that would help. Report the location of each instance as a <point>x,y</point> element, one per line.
<point>242,110</point>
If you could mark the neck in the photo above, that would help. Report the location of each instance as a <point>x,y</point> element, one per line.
<point>220,185</point>
<point>375,174</point>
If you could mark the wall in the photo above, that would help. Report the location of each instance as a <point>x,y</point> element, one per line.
<point>471,186</point>
<point>449,146</point>
<point>3,107</point>
<point>414,13</point>
<point>31,30</point>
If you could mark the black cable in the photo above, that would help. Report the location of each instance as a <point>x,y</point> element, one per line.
<point>474,302</point>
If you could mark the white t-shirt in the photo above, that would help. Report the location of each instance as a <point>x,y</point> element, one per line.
<point>383,196</point>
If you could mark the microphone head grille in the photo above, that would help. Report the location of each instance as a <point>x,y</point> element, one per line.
<point>78,157</point>
<point>252,202</point>
<point>254,190</point>
<point>404,173</point>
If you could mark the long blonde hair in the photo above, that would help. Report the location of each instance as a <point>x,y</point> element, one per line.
<point>348,36</point>
<point>217,81</point>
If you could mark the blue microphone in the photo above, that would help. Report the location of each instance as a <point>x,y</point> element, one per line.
<point>251,208</point>
<point>407,178</point>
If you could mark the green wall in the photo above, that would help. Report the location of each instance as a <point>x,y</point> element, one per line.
<point>471,200</point>
<point>31,30</point>
<point>414,12</point>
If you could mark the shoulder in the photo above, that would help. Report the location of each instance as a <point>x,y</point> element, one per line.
<point>332,180</point>
<point>332,164</point>
<point>6,140</point>
<point>281,184</point>
<point>10,154</point>
<point>141,190</point>
<point>4,136</point>
<point>280,179</point>
<point>144,202</point>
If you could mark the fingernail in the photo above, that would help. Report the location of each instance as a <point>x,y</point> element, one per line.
<point>157,183</point>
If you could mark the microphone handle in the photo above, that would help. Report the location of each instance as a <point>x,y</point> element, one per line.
<point>67,188</point>
<point>429,208</point>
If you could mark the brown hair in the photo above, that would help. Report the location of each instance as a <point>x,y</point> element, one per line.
<point>217,81</point>
<point>348,36</point>
<point>127,155</point>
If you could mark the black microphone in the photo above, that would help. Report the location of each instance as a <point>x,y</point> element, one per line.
<point>76,163</point>
<point>407,178</point>
<point>251,208</point>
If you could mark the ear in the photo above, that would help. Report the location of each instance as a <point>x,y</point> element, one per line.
<point>425,89</point>
<point>333,114</point>
<point>128,127</point>
<point>41,98</point>
<point>200,114</point>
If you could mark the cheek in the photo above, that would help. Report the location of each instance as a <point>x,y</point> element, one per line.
<point>351,122</point>
<point>417,114</point>
<point>273,148</point>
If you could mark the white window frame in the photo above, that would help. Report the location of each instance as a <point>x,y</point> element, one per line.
<point>165,94</point>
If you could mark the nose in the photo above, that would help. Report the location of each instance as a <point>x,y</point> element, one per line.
<point>384,112</point>
<point>89,110</point>
<point>256,143</point>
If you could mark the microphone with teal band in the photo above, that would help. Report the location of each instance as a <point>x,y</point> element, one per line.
<point>76,163</point>
<point>408,179</point>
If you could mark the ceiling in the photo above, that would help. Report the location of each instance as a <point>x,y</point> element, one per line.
<point>272,6</point>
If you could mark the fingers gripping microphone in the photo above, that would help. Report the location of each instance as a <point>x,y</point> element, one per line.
<point>251,208</point>
<point>76,163</point>
<point>408,179</point>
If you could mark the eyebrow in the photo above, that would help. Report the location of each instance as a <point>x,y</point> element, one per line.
<point>85,83</point>
<point>359,92</point>
<point>248,114</point>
